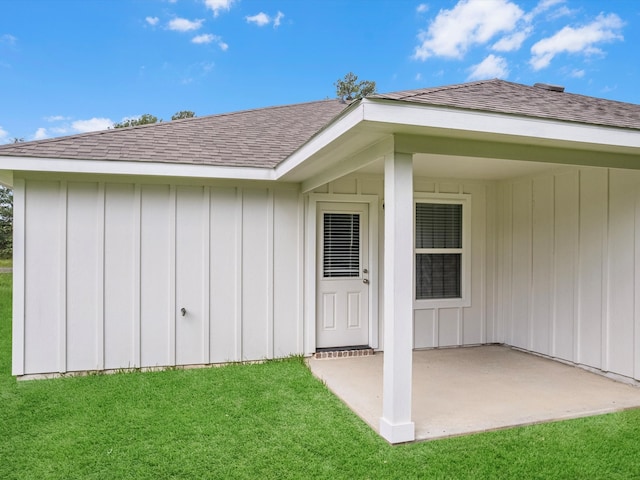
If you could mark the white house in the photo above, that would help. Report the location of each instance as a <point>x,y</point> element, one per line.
<point>488,212</point>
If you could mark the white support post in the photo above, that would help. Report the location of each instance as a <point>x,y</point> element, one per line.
<point>396,425</point>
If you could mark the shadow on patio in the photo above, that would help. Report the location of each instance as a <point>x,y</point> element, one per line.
<point>458,391</point>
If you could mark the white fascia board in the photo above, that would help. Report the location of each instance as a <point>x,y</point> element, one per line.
<point>322,139</point>
<point>498,124</point>
<point>117,167</point>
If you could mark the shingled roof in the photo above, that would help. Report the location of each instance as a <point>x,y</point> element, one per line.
<point>265,137</point>
<point>252,138</point>
<point>506,97</point>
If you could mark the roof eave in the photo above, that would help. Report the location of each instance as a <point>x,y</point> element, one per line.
<point>157,169</point>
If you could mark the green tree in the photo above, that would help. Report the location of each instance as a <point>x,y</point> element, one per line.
<point>145,119</point>
<point>183,114</point>
<point>6,222</point>
<point>348,88</point>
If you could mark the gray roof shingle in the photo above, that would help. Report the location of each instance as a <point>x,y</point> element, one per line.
<point>265,137</point>
<point>506,97</point>
<point>251,138</point>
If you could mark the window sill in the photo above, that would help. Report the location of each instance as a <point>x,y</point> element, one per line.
<point>441,303</point>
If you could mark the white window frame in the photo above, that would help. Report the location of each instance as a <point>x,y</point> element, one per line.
<point>465,281</point>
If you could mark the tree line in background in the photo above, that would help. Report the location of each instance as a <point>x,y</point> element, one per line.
<point>147,119</point>
<point>6,222</point>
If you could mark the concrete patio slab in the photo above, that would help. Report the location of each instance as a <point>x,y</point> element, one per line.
<point>474,389</point>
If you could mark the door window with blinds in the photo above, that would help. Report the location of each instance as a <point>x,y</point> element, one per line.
<point>441,250</point>
<point>341,243</point>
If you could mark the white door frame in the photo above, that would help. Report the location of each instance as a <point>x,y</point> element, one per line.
<point>310,264</point>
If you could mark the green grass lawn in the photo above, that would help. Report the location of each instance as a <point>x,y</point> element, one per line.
<point>272,420</point>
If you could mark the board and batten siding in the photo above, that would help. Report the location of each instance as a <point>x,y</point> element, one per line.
<point>108,266</point>
<point>450,326</point>
<point>569,268</point>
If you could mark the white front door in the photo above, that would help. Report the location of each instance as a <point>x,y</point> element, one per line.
<point>342,306</point>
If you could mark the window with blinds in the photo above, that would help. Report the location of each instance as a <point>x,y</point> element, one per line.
<point>341,245</point>
<point>438,249</point>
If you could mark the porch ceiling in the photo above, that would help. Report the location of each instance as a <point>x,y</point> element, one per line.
<point>465,390</point>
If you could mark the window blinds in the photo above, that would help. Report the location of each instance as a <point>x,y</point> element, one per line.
<point>341,252</point>
<point>438,271</point>
<point>438,225</point>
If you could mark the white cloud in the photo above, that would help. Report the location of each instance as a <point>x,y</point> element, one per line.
<point>152,20</point>
<point>470,22</point>
<point>92,125</point>
<point>184,25</point>
<point>56,118</point>
<point>605,28</point>
<point>8,39</point>
<point>41,134</point>
<point>491,67</point>
<point>208,38</point>
<point>204,38</point>
<point>575,73</point>
<point>542,6</point>
<point>4,135</point>
<point>219,5</point>
<point>422,8</point>
<point>513,42</point>
<point>278,19</point>
<point>418,77</point>
<point>261,19</point>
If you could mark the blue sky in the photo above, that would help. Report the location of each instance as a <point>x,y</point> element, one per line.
<point>71,66</point>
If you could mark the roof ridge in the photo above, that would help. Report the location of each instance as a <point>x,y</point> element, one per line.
<point>422,91</point>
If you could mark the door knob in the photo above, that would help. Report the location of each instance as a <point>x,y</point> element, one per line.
<point>365,280</point>
<point>183,311</point>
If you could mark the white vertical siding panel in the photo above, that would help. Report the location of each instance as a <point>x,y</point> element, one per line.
<point>423,328</point>
<point>62,300</point>
<point>119,276</point>
<point>621,249</point>
<point>189,273</point>
<point>521,265</point>
<point>542,264</point>
<point>206,275</point>
<point>137,287</point>
<point>449,325</point>
<point>82,292</point>
<point>565,246</point>
<point>346,185</point>
<point>372,186</point>
<point>155,254</point>
<point>18,310</point>
<point>42,276</point>
<point>255,274</point>
<point>224,274</point>
<point>505,262</point>
<point>99,265</point>
<point>286,298</point>
<point>490,312</point>
<point>636,281</point>
<point>270,272</point>
<point>173,308</point>
<point>593,225</point>
<point>473,318</point>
